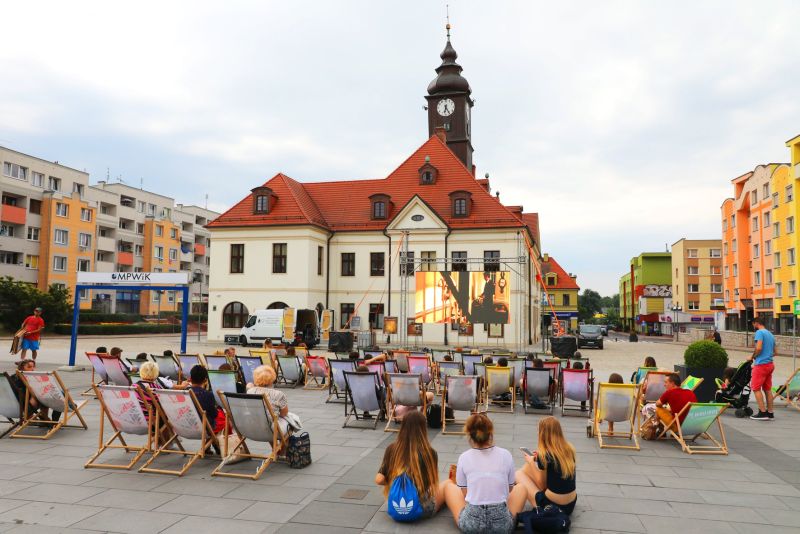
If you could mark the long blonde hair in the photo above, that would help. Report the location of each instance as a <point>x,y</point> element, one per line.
<point>414,456</point>
<point>553,443</point>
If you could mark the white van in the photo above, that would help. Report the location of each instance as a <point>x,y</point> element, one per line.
<point>288,326</point>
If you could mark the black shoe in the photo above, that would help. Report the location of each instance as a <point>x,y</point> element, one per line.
<point>760,416</point>
<point>771,415</point>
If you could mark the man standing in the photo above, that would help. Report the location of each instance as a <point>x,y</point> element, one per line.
<point>761,381</point>
<point>33,325</point>
<point>717,337</point>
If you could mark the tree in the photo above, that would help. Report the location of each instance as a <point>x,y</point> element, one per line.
<point>18,299</point>
<point>589,303</point>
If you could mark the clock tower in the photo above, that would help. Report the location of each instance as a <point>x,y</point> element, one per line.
<point>450,105</point>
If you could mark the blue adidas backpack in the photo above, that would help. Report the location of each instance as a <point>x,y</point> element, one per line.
<point>403,504</point>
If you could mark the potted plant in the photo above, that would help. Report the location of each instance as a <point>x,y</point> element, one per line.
<point>707,360</point>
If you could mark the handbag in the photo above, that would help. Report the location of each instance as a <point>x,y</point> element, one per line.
<point>651,428</point>
<point>298,453</point>
<point>545,520</point>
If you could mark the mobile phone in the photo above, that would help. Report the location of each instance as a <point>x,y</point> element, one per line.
<point>526,450</point>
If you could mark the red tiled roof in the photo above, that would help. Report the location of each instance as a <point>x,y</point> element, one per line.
<point>563,280</point>
<point>345,205</point>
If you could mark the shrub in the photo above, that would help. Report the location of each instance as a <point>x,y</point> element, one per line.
<point>18,299</point>
<point>88,316</point>
<point>115,329</point>
<point>705,354</point>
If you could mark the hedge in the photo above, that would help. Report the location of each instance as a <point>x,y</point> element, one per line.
<point>114,329</point>
<point>192,316</point>
<point>98,317</point>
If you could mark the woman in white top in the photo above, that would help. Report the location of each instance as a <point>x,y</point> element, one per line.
<point>263,378</point>
<point>484,499</point>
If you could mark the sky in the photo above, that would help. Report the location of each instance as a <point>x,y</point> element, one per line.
<point>620,123</point>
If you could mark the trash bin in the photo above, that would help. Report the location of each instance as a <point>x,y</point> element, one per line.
<point>563,346</point>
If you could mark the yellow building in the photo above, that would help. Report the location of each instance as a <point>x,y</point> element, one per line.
<point>784,273</point>
<point>562,288</point>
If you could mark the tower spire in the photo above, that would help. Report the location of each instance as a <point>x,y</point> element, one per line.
<point>447,6</point>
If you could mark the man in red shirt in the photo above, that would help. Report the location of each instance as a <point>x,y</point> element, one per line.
<point>33,325</point>
<point>674,397</point>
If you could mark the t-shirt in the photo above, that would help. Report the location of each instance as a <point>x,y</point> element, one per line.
<point>555,479</point>
<point>677,398</point>
<point>767,346</point>
<point>487,474</point>
<point>206,400</point>
<point>33,323</point>
<point>387,456</point>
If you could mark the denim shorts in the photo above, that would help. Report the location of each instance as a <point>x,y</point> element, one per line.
<point>486,519</point>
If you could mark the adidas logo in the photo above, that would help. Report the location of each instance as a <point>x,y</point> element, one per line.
<point>403,508</point>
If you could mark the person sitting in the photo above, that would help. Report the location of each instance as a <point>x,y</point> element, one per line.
<point>475,352</point>
<point>412,454</point>
<point>549,475</point>
<point>148,375</point>
<point>727,376</point>
<point>673,400</point>
<point>379,388</point>
<point>198,380</point>
<point>230,353</point>
<point>168,353</point>
<point>264,377</point>
<point>488,360</point>
<point>140,359</point>
<point>535,402</point>
<point>483,498</point>
<point>267,344</point>
<point>448,357</point>
<point>19,389</point>
<point>354,355</point>
<point>101,350</point>
<point>505,397</point>
<point>648,362</point>
<point>579,366</point>
<point>614,378</point>
<point>240,386</point>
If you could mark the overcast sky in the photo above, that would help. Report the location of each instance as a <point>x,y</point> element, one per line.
<point>621,123</point>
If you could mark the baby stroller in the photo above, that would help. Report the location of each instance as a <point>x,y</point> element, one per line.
<point>737,393</point>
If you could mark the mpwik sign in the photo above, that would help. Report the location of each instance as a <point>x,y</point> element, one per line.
<point>127,278</point>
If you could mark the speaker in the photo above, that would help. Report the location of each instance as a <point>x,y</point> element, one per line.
<point>340,342</point>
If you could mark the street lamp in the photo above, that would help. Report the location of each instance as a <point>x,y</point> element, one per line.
<point>675,310</point>
<point>198,277</point>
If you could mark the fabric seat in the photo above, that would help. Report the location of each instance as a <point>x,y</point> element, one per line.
<point>49,390</point>
<point>616,403</point>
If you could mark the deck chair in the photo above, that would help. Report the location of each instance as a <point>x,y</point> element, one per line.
<point>446,369</point>
<point>556,366</point>
<point>390,366</point>
<point>460,393</point>
<point>616,403</point>
<point>577,391</point>
<point>641,372</point>
<point>10,408</point>
<point>518,365</point>
<point>337,387</point>
<point>380,368</point>
<point>699,416</point>
<point>790,392</point>
<point>214,361</point>
<point>116,369</point>
<point>363,395</point>
<point>224,381</point>
<point>316,372</point>
<point>49,391</point>
<point>167,366</point>
<point>419,363</point>
<point>120,405</point>
<point>499,381</point>
<point>404,389</point>
<point>371,354</point>
<point>187,420</point>
<point>99,374</point>
<point>289,372</point>
<point>691,383</point>
<point>248,364</point>
<point>652,387</point>
<point>188,361</point>
<point>265,355</point>
<point>402,360</point>
<point>469,361</point>
<point>438,355</point>
<point>536,382</point>
<point>252,418</point>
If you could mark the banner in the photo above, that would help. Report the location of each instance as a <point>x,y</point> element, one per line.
<point>133,278</point>
<point>462,297</point>
<point>700,417</point>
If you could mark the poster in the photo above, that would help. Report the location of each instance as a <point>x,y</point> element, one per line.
<point>327,323</point>
<point>462,297</point>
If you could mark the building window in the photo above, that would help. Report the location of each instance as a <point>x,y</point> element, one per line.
<point>733,221</point>
<point>53,183</point>
<point>694,305</point>
<point>173,233</point>
<point>279,257</point>
<point>234,315</point>
<point>725,247</point>
<point>33,233</point>
<point>151,209</point>
<point>789,193</point>
<point>426,178</point>
<point>735,269</point>
<point>173,254</point>
<point>776,229</point>
<point>724,225</point>
<point>86,214</point>
<point>141,206</point>
<point>379,209</point>
<point>774,200</point>
<point>12,170</point>
<point>237,259</point>
<point>427,174</point>
<point>261,200</point>
<point>159,230</point>
<point>139,229</point>
<point>348,263</point>
<point>59,263</point>
<point>460,207</point>
<point>766,219</point>
<point>765,190</point>
<point>37,179</point>
<point>565,300</point>
<point>734,245</point>
<point>376,315</point>
<point>716,270</point>
<point>754,197</point>
<point>84,266</point>
<point>459,263</point>
<point>158,252</point>
<point>717,288</point>
<point>767,247</point>
<point>693,270</point>
<point>407,264</point>
<point>85,240</point>
<point>693,288</point>
<point>715,253</point>
<point>727,271</point>
<point>789,225</point>
<point>691,252</point>
<point>757,278</point>
<point>61,237</point>
<point>755,223</point>
<point>31,261</point>
<point>755,250</point>
<point>35,206</point>
<point>427,261</point>
<point>62,210</point>
<point>262,204</point>
<point>776,259</point>
<point>778,290</point>
<point>791,258</point>
<point>376,264</point>
<point>138,250</point>
<point>767,277</point>
<point>320,254</point>
<point>491,260</point>
<point>346,310</point>
<point>792,288</point>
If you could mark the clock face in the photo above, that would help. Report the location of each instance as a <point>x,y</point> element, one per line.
<point>445,107</point>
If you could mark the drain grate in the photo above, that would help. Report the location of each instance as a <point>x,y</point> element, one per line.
<point>355,494</point>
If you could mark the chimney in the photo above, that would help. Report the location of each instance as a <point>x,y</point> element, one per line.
<point>473,170</point>
<point>440,132</point>
<point>546,257</point>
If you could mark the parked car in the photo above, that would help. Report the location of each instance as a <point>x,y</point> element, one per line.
<point>590,335</point>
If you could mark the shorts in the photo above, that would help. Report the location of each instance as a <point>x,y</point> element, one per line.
<point>486,519</point>
<point>29,344</point>
<point>542,501</point>
<point>761,378</point>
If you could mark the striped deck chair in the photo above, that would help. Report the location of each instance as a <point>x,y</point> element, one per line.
<point>167,366</point>
<point>518,365</point>
<point>49,390</point>
<point>577,391</point>
<point>363,395</point>
<point>188,361</point>
<point>403,389</point>
<point>469,361</point>
<point>116,369</point>
<point>10,407</point>
<point>120,405</point>
<point>616,403</point>
<point>652,387</point>
<point>289,372</point>
<point>99,374</point>
<point>224,381</point>
<point>267,357</point>
<point>419,363</point>
<point>790,391</point>
<point>500,381</point>
<point>187,421</point>
<point>252,418</point>
<point>699,416</point>
<point>316,372</point>
<point>402,360</point>
<point>536,387</point>
<point>337,387</point>
<point>446,369</point>
<point>460,394</point>
<point>691,383</point>
<point>248,364</point>
<point>214,361</point>
<point>390,366</point>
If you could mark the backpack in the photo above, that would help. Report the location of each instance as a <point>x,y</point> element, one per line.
<point>434,415</point>
<point>544,520</point>
<point>298,453</point>
<point>403,503</point>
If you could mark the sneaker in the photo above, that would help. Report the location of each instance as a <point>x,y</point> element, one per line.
<point>760,416</point>
<point>771,415</point>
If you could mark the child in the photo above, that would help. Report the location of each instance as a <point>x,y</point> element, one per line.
<point>615,378</point>
<point>727,375</point>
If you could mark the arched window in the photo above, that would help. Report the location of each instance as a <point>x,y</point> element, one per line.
<point>234,315</point>
<point>277,306</point>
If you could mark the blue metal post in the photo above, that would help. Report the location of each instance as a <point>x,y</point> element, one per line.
<point>76,308</point>
<point>185,319</point>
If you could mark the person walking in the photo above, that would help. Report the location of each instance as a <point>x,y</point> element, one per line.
<point>763,367</point>
<point>33,326</point>
<point>717,337</point>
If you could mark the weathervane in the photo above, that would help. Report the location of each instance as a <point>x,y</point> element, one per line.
<point>447,6</point>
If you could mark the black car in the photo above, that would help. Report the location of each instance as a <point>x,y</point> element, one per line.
<point>590,335</point>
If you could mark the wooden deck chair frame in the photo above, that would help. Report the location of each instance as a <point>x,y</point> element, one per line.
<point>9,397</point>
<point>600,410</point>
<point>392,400</point>
<point>349,401</point>
<point>337,387</point>
<point>242,450</point>
<point>126,413</point>
<point>267,357</point>
<point>446,403</point>
<point>506,386</point>
<point>316,369</point>
<point>67,411</point>
<point>575,406</point>
<point>207,437</point>
<point>97,366</point>
<point>691,383</point>
<point>792,398</point>
<point>174,373</point>
<point>282,381</point>
<point>551,394</point>
<point>718,447</point>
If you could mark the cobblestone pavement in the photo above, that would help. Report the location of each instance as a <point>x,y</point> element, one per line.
<point>45,488</point>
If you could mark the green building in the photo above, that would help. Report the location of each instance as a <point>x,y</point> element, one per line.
<point>649,309</point>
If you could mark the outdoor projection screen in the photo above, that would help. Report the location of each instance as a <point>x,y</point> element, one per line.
<point>462,297</point>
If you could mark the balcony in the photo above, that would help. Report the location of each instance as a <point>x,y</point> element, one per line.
<point>199,250</point>
<point>125,258</point>
<point>106,243</point>
<point>12,214</point>
<point>104,266</point>
<point>20,273</point>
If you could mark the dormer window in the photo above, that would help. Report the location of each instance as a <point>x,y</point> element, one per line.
<point>262,203</point>
<point>461,203</point>
<point>460,207</point>
<point>380,205</point>
<point>427,174</point>
<point>263,199</point>
<point>551,279</point>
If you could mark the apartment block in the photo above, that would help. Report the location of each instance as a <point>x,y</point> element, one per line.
<point>645,293</point>
<point>54,224</point>
<point>696,280</point>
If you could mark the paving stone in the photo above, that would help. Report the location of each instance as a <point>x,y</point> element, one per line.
<point>607,521</point>
<point>628,506</point>
<point>661,494</point>
<point>270,493</point>
<point>206,506</point>
<point>336,514</point>
<point>271,512</point>
<point>792,502</point>
<point>58,493</point>
<point>130,521</point>
<point>41,529</point>
<point>216,487</point>
<point>716,512</point>
<point>737,499</point>
<point>10,504</point>
<point>213,525</point>
<point>786,518</point>
<point>49,514</point>
<point>130,500</point>
<point>130,481</point>
<point>311,481</point>
<point>345,493</point>
<point>669,525</point>
<point>10,487</point>
<point>299,528</point>
<point>63,476</point>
